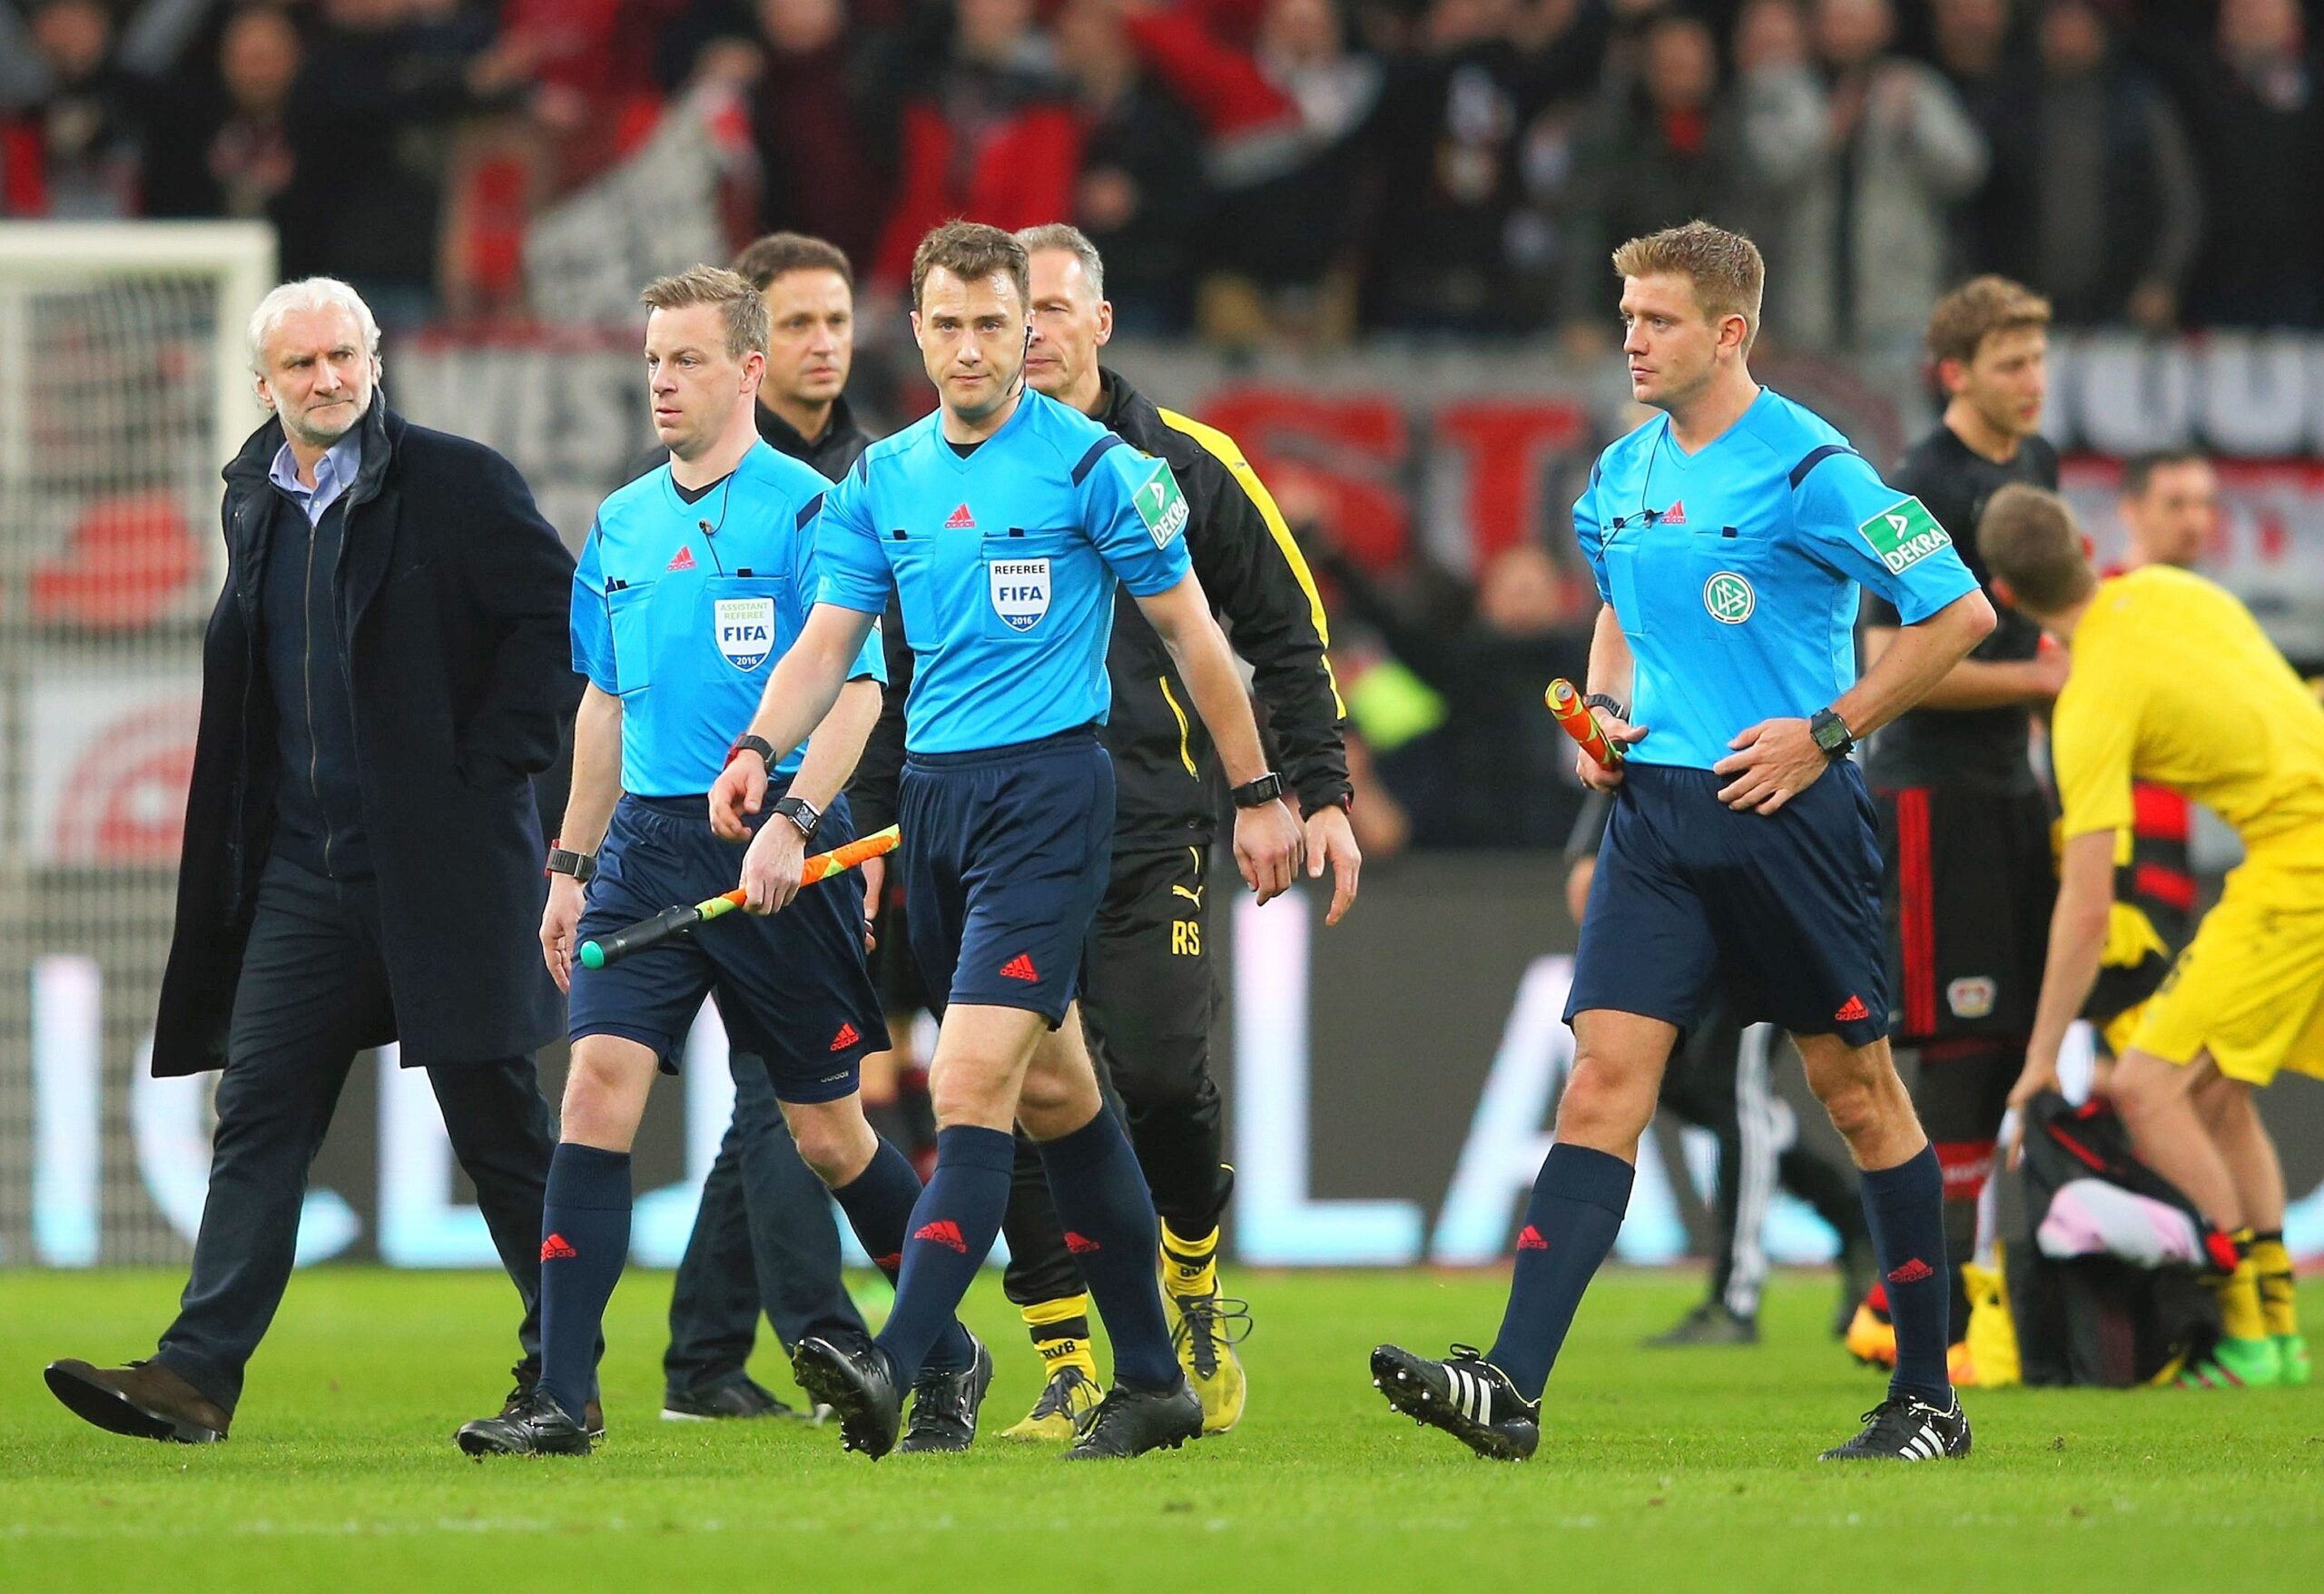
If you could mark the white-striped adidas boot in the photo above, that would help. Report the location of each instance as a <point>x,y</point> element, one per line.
<point>1465,1395</point>
<point>1902,1429</point>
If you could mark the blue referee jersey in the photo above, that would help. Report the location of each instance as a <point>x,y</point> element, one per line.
<point>1734,570</point>
<point>1004,562</point>
<point>683,623</point>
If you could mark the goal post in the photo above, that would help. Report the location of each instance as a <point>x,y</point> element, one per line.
<point>125,390</point>
<point>234,260</point>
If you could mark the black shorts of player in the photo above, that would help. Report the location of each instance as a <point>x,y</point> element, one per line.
<point>1967,882</point>
<point>1780,912</point>
<point>1005,859</point>
<point>1147,999</point>
<point>791,987</point>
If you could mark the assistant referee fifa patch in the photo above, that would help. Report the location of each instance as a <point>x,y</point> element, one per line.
<point>746,630</point>
<point>1903,535</point>
<point>1161,506</point>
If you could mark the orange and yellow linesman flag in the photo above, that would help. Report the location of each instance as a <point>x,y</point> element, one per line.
<point>1576,719</point>
<point>670,921</point>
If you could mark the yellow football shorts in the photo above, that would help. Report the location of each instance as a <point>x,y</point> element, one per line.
<point>2249,990</point>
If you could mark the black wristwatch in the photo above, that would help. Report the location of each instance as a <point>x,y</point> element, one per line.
<point>747,742</point>
<point>1832,733</point>
<point>581,866</point>
<point>1259,793</point>
<point>1600,700</point>
<point>799,811</point>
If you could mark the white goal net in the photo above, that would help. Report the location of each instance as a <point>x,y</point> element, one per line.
<point>123,388</point>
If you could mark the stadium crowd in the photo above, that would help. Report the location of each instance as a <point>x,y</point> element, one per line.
<point>1255,168</point>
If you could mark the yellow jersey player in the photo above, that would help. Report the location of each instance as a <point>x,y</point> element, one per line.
<point>2173,682</point>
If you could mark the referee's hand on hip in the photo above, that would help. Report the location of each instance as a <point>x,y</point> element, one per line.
<point>1621,733</point>
<point>1773,762</point>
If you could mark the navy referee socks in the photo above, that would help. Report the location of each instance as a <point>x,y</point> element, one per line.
<point>952,1227</point>
<point>1107,1213</point>
<point>879,1203</point>
<point>585,1240</point>
<point>1906,1206</point>
<point>1576,1210</point>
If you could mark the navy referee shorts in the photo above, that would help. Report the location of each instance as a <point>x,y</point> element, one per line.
<point>1779,912</point>
<point>1006,855</point>
<point>792,987</point>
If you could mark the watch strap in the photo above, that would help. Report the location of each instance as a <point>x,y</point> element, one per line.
<point>1259,793</point>
<point>800,813</point>
<point>581,866</point>
<point>1831,734</point>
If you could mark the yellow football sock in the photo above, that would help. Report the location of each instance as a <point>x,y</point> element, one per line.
<point>2238,1295</point>
<point>2279,1291</point>
<point>1061,1331</point>
<point>1189,1267</point>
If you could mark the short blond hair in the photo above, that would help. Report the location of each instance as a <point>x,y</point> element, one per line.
<point>1728,276</point>
<point>741,309</point>
<point>2030,540</point>
<point>1963,318</point>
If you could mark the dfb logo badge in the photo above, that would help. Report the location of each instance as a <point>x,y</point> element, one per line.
<point>1020,591</point>
<point>746,630</point>
<point>1728,598</point>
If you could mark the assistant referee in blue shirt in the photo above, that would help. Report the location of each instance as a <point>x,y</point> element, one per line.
<point>689,586</point>
<point>1003,523</point>
<point>1730,535</point>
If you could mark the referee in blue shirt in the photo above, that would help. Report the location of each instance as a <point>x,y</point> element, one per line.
<point>693,582</point>
<point>1730,535</point>
<point>1003,523</point>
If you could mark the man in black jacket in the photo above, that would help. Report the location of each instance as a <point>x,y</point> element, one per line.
<point>764,1235</point>
<point>1147,986</point>
<point>384,674</point>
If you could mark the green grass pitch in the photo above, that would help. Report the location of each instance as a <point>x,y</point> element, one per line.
<point>1660,1470</point>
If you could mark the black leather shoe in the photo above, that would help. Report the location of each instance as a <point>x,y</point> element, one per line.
<point>736,1400</point>
<point>538,1427</point>
<point>944,1405</point>
<point>1131,1422</point>
<point>593,1415</point>
<point>858,1381</point>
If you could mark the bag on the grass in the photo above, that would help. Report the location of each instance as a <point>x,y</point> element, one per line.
<point>2106,1279</point>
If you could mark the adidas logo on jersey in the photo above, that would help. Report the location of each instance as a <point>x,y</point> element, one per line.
<point>1852,1010</point>
<point>846,1037</point>
<point>1676,515</point>
<point>1020,967</point>
<point>943,1232</point>
<point>961,521</point>
<point>680,560</point>
<point>556,1248</point>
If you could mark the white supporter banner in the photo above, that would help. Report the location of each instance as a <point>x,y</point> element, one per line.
<point>586,257</point>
